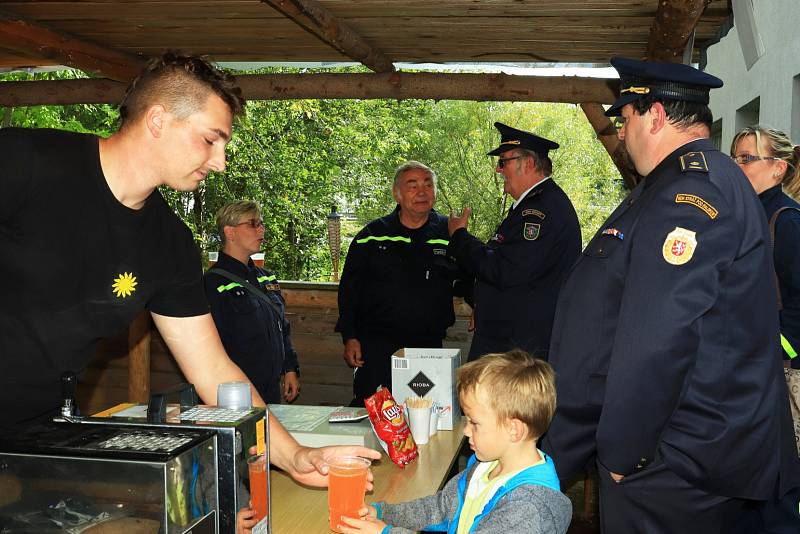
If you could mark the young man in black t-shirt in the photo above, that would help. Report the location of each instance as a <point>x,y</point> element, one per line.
<point>124,250</point>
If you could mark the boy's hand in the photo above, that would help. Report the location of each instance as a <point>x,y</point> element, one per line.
<point>362,525</point>
<point>368,512</point>
<point>245,520</point>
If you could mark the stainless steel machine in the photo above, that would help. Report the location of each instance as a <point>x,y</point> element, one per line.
<point>74,478</point>
<point>217,464</point>
<point>237,432</point>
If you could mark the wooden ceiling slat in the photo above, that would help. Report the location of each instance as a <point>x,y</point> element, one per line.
<point>578,31</point>
<point>353,9</point>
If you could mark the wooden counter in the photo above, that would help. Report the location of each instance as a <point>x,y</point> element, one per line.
<point>302,510</point>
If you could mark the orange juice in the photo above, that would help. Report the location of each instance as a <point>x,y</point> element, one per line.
<point>257,466</point>
<point>347,482</point>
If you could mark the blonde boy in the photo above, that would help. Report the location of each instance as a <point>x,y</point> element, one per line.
<point>509,485</point>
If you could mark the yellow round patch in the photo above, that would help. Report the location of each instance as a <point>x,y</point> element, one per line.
<point>679,246</point>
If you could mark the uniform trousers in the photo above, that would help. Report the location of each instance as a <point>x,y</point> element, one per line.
<point>657,501</point>
<point>377,369</point>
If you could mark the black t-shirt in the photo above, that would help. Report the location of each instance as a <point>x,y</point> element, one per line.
<point>77,264</point>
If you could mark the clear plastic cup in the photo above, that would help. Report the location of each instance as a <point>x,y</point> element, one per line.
<point>259,485</point>
<point>434,420</point>
<point>234,395</point>
<point>347,484</point>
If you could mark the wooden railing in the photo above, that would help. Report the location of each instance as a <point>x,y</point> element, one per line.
<point>127,367</point>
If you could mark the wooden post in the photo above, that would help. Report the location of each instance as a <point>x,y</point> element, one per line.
<point>607,134</point>
<point>139,359</point>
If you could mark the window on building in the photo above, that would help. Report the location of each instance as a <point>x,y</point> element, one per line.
<point>748,115</point>
<point>716,134</point>
<point>796,109</point>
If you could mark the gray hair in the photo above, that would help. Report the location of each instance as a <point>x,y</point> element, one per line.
<point>411,165</point>
<point>542,163</point>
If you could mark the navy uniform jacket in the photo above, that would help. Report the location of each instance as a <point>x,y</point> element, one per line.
<point>787,263</point>
<point>397,283</point>
<point>255,337</point>
<point>665,342</point>
<point>519,271</point>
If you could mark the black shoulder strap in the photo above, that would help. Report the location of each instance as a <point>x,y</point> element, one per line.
<point>772,221</point>
<point>248,286</point>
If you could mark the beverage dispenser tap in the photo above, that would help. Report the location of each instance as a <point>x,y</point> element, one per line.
<point>69,409</point>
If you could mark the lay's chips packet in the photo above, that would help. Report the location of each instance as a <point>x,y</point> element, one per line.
<point>389,424</point>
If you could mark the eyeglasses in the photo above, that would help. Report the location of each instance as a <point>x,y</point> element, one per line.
<point>744,159</point>
<point>254,223</point>
<point>501,162</point>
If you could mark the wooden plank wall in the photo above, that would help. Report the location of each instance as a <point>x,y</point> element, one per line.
<point>312,310</point>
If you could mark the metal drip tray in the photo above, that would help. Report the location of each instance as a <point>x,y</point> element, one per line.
<point>144,441</point>
<point>215,414</point>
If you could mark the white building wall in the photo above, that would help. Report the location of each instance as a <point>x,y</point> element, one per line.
<point>774,79</point>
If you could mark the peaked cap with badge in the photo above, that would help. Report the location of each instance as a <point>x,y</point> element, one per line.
<point>672,81</point>
<point>511,138</point>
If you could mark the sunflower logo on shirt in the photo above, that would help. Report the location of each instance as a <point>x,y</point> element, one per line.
<point>124,285</point>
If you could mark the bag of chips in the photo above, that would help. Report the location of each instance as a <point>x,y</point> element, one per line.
<point>389,424</point>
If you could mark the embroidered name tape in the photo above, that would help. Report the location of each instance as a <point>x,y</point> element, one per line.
<point>532,211</point>
<point>694,200</point>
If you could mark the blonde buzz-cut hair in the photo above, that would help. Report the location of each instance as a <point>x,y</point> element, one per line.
<point>516,385</point>
<point>230,214</point>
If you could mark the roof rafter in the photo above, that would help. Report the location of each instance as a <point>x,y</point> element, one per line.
<point>33,39</point>
<point>334,32</point>
<point>396,85</point>
<point>674,24</point>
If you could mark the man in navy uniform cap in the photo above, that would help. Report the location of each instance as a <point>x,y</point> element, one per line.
<point>518,272</point>
<point>665,342</point>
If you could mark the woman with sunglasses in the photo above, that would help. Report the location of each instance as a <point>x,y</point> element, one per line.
<point>771,162</point>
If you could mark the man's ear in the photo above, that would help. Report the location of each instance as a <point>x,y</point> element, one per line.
<point>395,196</point>
<point>155,120</point>
<point>658,117</point>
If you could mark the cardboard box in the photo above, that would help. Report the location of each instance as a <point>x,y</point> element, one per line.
<point>428,373</point>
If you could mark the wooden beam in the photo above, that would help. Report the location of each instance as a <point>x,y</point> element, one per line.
<point>673,26</point>
<point>397,85</point>
<point>33,39</point>
<point>318,21</point>
<point>139,359</point>
<point>607,134</point>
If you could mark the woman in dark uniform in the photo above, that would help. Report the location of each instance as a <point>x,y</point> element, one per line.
<point>769,159</point>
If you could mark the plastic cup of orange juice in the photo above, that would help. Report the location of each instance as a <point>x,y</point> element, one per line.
<point>347,483</point>
<point>257,467</point>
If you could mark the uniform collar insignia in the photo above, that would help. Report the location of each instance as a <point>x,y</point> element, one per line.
<point>693,161</point>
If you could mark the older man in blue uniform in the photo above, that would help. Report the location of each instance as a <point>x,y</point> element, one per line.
<point>518,272</point>
<point>665,342</point>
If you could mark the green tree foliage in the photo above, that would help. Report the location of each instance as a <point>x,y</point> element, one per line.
<point>297,158</point>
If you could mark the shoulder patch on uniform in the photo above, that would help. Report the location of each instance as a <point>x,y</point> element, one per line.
<point>679,246</point>
<point>531,231</point>
<point>694,200</point>
<point>693,161</point>
<point>531,211</point>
